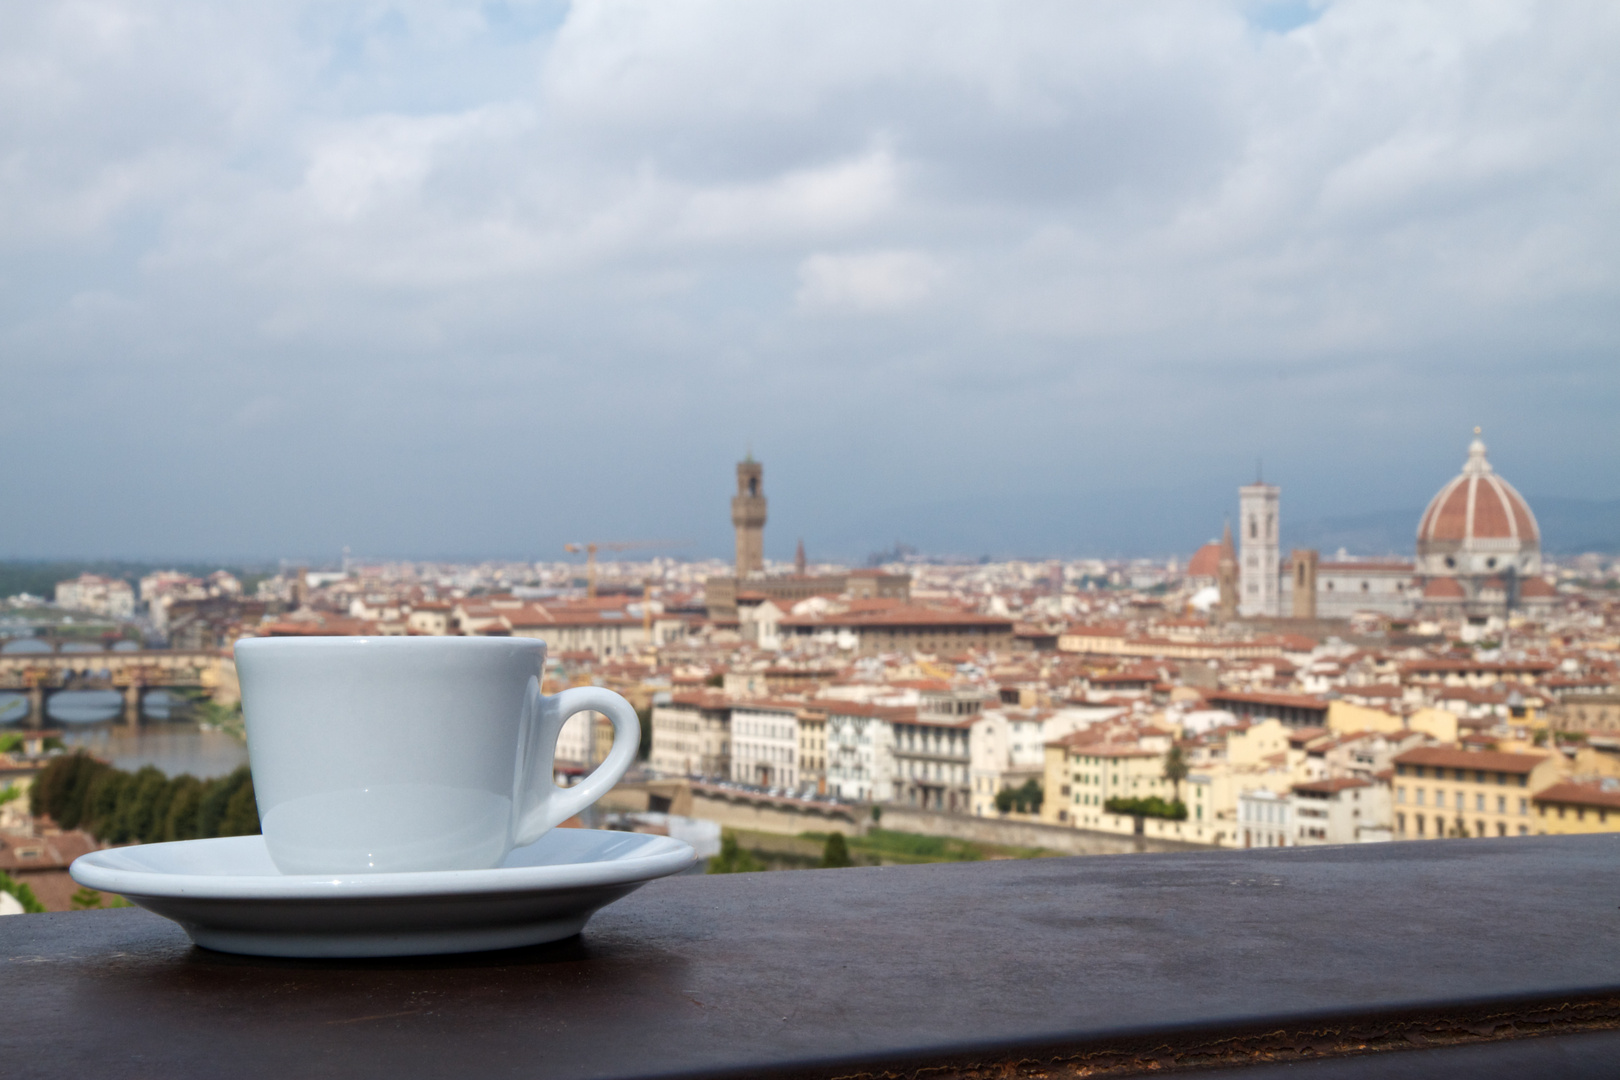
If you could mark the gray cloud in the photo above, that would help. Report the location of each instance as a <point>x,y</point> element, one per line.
<point>467,278</point>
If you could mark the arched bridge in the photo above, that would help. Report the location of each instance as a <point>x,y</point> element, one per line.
<point>42,674</point>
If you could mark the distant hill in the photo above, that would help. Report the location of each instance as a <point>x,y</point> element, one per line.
<point>1568,527</point>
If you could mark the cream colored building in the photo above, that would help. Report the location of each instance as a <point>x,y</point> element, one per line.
<point>1007,747</point>
<point>1258,757</point>
<point>1342,810</point>
<point>1083,774</point>
<point>812,728</point>
<point>691,736</point>
<point>578,629</point>
<point>99,595</point>
<point>431,618</point>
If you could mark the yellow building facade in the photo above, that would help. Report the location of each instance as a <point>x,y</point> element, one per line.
<point>1443,791</point>
<point>1590,806</point>
<point>1082,776</point>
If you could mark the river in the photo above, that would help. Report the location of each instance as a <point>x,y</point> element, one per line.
<point>91,719</point>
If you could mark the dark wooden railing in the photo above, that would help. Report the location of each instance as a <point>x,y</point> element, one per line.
<point>1446,958</point>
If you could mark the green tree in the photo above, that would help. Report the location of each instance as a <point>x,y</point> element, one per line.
<point>138,813</point>
<point>101,808</point>
<point>644,750</point>
<point>69,801</point>
<point>216,803</point>
<point>1175,767</point>
<point>23,894</point>
<point>118,807</point>
<point>55,781</point>
<point>733,859</point>
<point>1025,798</point>
<point>836,852</point>
<point>241,813</point>
<point>180,822</point>
<point>1152,806</point>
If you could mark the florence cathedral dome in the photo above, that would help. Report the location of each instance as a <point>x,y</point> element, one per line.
<point>1478,525</point>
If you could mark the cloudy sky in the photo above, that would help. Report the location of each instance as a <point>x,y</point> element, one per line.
<point>462,279</point>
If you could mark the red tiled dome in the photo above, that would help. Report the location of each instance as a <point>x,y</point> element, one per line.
<point>1478,505</point>
<point>1206,561</point>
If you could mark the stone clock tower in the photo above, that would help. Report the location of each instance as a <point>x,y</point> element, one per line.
<point>748,515</point>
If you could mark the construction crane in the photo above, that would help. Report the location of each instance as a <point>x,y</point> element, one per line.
<point>590,550</point>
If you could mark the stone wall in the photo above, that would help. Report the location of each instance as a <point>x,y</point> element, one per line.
<point>742,810</point>
<point>1025,833</point>
<point>736,810</point>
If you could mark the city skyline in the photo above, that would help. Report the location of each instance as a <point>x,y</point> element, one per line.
<point>468,281</point>
<point>1576,526</point>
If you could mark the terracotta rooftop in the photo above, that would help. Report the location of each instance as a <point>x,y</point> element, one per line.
<point>1488,760</point>
<point>1599,793</point>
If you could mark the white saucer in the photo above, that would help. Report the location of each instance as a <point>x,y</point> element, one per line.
<point>229,896</point>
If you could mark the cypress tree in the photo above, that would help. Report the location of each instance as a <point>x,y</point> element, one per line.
<point>216,796</point>
<point>101,804</point>
<point>241,813</point>
<point>136,816</point>
<point>76,791</point>
<point>836,852</point>
<point>180,823</point>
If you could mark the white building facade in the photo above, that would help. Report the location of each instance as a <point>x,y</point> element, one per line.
<point>765,744</point>
<point>860,750</point>
<point>1344,810</point>
<point>98,595</point>
<point>1265,819</point>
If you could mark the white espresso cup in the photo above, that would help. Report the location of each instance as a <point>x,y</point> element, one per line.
<point>384,754</point>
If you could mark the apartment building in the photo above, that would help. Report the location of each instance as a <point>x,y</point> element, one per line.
<point>1444,791</point>
<point>1265,819</point>
<point>691,735</point>
<point>765,743</point>
<point>860,749</point>
<point>1007,747</point>
<point>1341,810</point>
<point>811,722</point>
<point>932,750</point>
<point>900,627</point>
<point>99,595</point>
<point>1578,806</point>
<point>1082,774</point>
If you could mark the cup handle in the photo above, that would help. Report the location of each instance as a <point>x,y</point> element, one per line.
<point>550,805</point>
